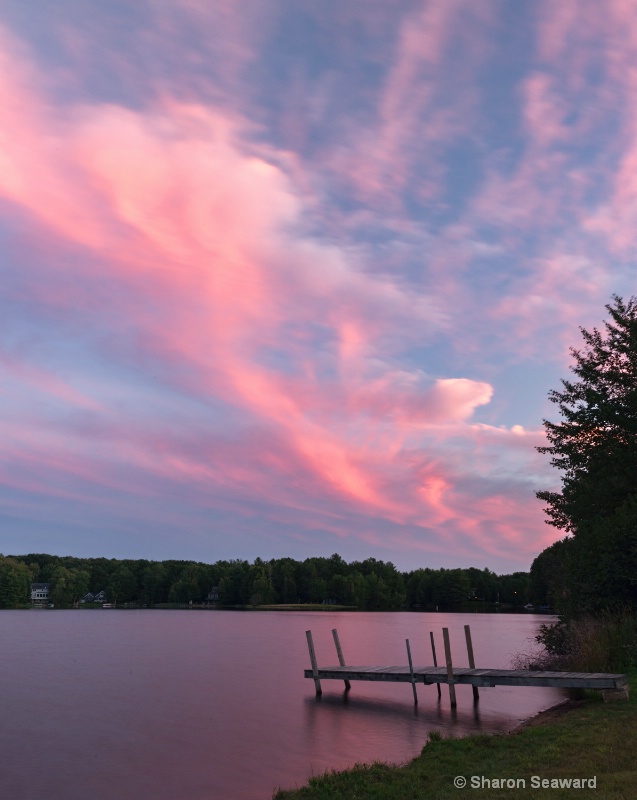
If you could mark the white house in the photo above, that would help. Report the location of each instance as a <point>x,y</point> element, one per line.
<point>40,594</point>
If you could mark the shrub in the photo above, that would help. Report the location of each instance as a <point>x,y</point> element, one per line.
<point>602,642</point>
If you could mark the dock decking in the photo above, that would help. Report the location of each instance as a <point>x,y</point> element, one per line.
<point>473,677</point>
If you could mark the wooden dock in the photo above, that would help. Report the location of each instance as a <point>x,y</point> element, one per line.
<point>613,686</point>
<point>474,677</point>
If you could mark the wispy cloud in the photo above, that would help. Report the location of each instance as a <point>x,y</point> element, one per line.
<point>280,296</point>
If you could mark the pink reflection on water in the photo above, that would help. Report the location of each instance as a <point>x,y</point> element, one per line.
<point>207,705</point>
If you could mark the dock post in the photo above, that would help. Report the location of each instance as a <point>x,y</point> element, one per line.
<point>411,672</point>
<point>339,653</point>
<point>452,688</point>
<point>433,650</point>
<point>472,663</point>
<point>310,644</point>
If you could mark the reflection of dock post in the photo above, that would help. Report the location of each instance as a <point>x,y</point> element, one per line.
<point>433,650</point>
<point>452,688</point>
<point>411,672</point>
<point>310,644</point>
<point>339,653</point>
<point>472,663</point>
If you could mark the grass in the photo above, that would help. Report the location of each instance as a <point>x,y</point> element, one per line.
<point>581,739</point>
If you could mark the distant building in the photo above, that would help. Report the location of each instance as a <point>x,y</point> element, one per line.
<point>213,595</point>
<point>40,593</point>
<point>99,597</point>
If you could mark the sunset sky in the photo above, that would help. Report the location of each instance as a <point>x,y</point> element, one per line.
<point>294,277</point>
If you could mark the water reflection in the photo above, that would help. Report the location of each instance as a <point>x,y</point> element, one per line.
<point>214,705</point>
<point>372,711</point>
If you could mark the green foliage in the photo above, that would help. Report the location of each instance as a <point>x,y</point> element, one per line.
<point>68,585</point>
<point>602,642</point>
<point>368,585</point>
<point>515,588</point>
<point>449,589</point>
<point>15,583</point>
<point>261,588</point>
<point>122,585</point>
<point>190,586</point>
<point>234,584</point>
<point>595,448</point>
<point>153,582</point>
<point>284,580</point>
<point>547,574</point>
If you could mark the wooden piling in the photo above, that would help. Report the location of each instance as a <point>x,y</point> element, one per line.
<point>450,679</point>
<point>433,650</point>
<point>411,672</point>
<point>472,663</point>
<point>339,653</point>
<point>310,644</point>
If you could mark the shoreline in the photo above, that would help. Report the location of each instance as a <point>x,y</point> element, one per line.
<point>547,715</point>
<point>571,740</point>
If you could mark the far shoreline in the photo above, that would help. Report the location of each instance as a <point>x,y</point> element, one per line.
<point>288,607</point>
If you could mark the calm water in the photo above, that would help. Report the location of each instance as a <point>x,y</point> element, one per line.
<point>195,705</point>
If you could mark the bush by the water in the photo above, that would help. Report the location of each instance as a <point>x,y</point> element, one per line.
<point>602,642</point>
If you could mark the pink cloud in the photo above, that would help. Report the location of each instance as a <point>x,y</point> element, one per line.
<point>204,235</point>
<point>544,111</point>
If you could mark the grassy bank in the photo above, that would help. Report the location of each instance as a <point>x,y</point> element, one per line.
<point>582,739</point>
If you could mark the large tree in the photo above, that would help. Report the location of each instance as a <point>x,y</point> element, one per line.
<point>595,447</point>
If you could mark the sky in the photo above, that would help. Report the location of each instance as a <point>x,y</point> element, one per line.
<point>289,278</point>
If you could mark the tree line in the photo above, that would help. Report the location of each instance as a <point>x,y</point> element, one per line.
<point>367,585</point>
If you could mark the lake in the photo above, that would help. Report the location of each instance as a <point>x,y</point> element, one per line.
<point>213,705</point>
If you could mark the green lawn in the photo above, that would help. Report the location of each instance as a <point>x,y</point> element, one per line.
<point>587,739</point>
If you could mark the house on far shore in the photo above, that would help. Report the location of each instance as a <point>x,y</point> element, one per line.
<point>99,597</point>
<point>40,593</point>
<point>213,595</point>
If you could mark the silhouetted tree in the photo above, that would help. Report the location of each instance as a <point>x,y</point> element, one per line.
<point>595,448</point>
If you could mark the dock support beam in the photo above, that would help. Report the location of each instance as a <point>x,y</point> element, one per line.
<point>339,653</point>
<point>452,688</point>
<point>411,672</point>
<point>433,650</point>
<point>472,663</point>
<point>310,644</point>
